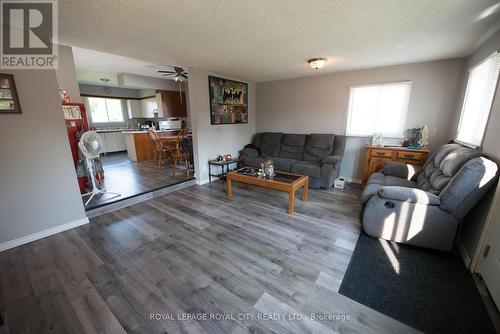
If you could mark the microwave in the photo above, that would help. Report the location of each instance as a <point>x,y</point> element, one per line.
<point>170,124</point>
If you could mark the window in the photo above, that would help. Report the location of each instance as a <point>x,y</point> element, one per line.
<point>476,107</point>
<point>104,110</point>
<point>378,109</point>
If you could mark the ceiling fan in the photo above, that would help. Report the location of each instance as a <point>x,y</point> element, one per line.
<point>178,73</point>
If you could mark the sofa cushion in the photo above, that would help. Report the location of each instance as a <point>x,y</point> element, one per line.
<point>442,166</point>
<point>292,146</point>
<point>452,163</point>
<point>468,186</point>
<point>318,147</point>
<point>270,144</point>
<point>389,180</point>
<point>282,163</point>
<point>256,139</point>
<point>309,168</point>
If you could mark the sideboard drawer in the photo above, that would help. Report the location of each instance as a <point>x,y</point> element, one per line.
<point>381,153</point>
<point>409,155</point>
<point>377,156</point>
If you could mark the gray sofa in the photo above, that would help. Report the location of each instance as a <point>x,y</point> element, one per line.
<point>424,206</point>
<point>315,155</point>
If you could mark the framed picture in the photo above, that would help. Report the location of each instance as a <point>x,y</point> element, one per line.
<point>9,100</point>
<point>228,101</point>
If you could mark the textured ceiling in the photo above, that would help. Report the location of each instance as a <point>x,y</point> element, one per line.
<point>263,40</point>
<point>93,65</point>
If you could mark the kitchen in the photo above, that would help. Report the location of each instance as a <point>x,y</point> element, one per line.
<point>129,114</point>
<point>121,98</point>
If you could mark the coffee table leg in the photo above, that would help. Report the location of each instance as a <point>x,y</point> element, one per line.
<point>229,185</point>
<point>305,192</point>
<point>291,202</point>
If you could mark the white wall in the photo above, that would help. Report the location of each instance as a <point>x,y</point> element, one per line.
<point>66,73</point>
<point>38,185</point>
<point>212,140</point>
<point>319,103</point>
<point>474,223</point>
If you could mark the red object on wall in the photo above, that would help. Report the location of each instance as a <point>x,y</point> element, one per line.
<point>75,116</point>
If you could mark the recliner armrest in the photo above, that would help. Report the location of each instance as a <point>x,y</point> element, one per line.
<point>398,169</point>
<point>249,152</point>
<point>411,195</point>
<point>331,159</point>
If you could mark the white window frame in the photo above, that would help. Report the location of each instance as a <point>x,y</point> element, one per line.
<point>464,101</point>
<point>351,133</point>
<point>107,115</point>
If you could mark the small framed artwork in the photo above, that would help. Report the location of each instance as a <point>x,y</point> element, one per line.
<point>377,139</point>
<point>228,101</point>
<point>9,100</point>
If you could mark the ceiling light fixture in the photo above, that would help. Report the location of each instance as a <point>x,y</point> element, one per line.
<point>317,63</point>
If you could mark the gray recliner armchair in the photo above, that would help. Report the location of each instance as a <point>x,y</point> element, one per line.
<point>424,206</point>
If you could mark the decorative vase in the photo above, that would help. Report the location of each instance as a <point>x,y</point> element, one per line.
<point>268,168</point>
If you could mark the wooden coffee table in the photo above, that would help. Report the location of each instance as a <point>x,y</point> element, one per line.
<point>282,181</point>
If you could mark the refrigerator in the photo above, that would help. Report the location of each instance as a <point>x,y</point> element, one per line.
<point>77,123</point>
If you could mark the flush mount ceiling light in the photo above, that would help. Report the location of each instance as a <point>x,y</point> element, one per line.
<point>317,63</point>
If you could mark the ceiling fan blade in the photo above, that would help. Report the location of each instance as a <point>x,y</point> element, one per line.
<point>168,72</point>
<point>183,75</point>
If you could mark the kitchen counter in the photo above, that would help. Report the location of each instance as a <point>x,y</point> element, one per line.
<point>109,130</point>
<point>140,146</point>
<point>143,131</point>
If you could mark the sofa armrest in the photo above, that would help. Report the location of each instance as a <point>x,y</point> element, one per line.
<point>331,159</point>
<point>398,169</point>
<point>411,195</point>
<point>249,152</point>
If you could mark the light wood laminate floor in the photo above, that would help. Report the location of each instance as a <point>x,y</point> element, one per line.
<point>195,252</point>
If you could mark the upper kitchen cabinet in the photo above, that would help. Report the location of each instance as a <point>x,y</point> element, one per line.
<point>171,103</point>
<point>134,109</point>
<point>150,107</point>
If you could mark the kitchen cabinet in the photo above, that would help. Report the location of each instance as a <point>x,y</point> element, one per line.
<point>149,107</point>
<point>113,142</point>
<point>134,109</point>
<point>171,103</point>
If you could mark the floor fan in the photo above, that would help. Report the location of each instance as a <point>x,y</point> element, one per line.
<point>91,145</point>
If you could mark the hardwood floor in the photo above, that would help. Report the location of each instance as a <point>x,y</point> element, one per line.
<point>129,178</point>
<point>194,252</point>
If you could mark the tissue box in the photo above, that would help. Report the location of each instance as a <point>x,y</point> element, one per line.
<point>339,183</point>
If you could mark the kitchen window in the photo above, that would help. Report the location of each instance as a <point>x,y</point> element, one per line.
<point>481,87</point>
<point>378,109</point>
<point>103,110</point>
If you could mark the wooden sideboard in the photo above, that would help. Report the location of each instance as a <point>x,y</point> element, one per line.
<point>377,156</point>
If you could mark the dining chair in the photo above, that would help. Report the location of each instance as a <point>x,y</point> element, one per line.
<point>182,151</point>
<point>161,151</point>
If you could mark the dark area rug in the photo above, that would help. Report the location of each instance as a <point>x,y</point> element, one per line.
<point>429,290</point>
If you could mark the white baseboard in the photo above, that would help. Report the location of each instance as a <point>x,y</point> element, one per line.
<point>42,234</point>
<point>463,253</point>
<point>201,182</point>
<point>205,181</point>
<point>352,180</point>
